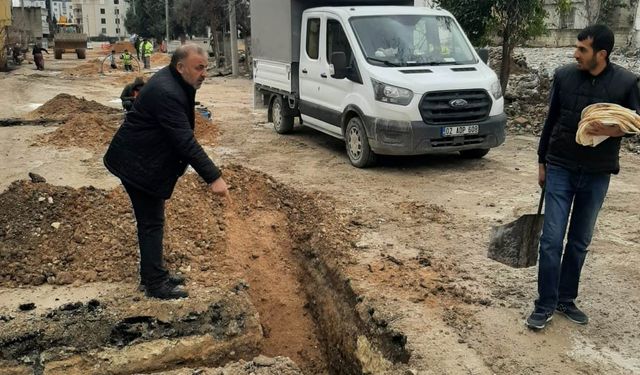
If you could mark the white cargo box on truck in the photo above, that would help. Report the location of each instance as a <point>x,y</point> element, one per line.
<point>275,37</point>
<point>387,79</point>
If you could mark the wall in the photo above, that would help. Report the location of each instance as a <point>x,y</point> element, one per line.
<point>567,37</point>
<point>29,21</point>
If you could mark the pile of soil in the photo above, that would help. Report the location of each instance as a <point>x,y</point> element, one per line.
<point>91,125</point>
<point>91,131</point>
<point>126,79</point>
<point>63,106</point>
<point>60,235</point>
<point>207,131</point>
<point>160,59</point>
<point>87,69</point>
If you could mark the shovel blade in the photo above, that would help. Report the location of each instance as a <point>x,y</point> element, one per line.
<point>516,244</point>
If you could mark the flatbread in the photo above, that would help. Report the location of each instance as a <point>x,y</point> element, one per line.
<point>607,114</point>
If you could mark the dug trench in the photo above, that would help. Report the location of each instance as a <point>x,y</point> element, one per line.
<point>264,273</point>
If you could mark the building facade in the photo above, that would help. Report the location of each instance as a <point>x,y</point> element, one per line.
<point>101,18</point>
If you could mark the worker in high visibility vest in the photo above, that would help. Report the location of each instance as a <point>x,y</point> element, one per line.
<point>126,60</point>
<point>147,49</point>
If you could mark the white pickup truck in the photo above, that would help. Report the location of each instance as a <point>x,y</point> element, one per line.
<point>387,79</point>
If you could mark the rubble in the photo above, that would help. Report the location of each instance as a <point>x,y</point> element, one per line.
<point>527,94</point>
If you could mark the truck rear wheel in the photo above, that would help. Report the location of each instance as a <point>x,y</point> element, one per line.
<point>282,122</point>
<point>57,53</point>
<point>475,153</point>
<point>357,143</point>
<point>82,53</point>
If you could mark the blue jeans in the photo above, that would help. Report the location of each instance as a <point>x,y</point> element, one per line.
<point>558,274</point>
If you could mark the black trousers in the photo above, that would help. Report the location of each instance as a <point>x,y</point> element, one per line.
<point>149,213</point>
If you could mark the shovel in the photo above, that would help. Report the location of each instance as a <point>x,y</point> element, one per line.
<point>516,244</point>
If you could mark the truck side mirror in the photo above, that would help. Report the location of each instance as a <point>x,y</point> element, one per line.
<point>339,62</point>
<point>484,54</point>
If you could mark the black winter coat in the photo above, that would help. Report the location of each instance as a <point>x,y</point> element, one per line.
<point>155,143</point>
<point>572,91</point>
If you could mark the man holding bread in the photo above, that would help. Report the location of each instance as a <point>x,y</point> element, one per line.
<point>576,177</point>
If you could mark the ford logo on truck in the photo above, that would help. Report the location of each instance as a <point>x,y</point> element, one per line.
<point>458,103</point>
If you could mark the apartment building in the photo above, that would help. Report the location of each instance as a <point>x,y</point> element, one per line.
<point>101,17</point>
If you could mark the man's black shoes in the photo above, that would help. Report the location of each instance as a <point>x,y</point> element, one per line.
<point>166,290</point>
<point>538,319</point>
<point>175,280</point>
<point>572,312</point>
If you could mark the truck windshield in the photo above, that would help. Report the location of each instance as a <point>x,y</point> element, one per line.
<point>411,40</point>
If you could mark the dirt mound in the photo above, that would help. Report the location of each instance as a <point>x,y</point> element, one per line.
<point>206,131</point>
<point>90,131</point>
<point>159,59</point>
<point>125,79</point>
<point>87,69</point>
<point>60,235</point>
<point>63,106</point>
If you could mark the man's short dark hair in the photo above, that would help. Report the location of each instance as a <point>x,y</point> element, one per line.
<point>601,36</point>
<point>183,51</point>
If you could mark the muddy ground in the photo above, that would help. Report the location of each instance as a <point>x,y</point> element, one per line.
<point>348,270</point>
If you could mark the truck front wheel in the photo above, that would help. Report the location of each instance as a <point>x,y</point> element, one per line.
<point>57,53</point>
<point>475,153</point>
<point>282,122</point>
<point>357,143</point>
<point>81,53</point>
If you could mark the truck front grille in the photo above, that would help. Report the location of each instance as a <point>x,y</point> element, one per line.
<point>439,107</point>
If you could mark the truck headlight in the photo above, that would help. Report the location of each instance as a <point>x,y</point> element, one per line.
<point>496,89</point>
<point>391,94</point>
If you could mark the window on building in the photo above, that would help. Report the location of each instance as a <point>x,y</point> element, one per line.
<point>116,2</point>
<point>104,30</point>
<point>118,31</point>
<point>103,21</point>
<point>117,11</point>
<point>101,10</point>
<point>117,21</point>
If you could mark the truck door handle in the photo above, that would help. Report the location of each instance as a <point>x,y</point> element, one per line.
<point>323,75</point>
<point>304,71</point>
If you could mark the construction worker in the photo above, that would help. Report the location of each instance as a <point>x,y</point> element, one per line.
<point>146,49</point>
<point>126,60</point>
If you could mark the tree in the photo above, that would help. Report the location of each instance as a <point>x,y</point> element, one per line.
<point>516,21</point>
<point>473,15</point>
<point>146,18</point>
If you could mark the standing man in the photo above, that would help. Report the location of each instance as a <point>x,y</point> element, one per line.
<point>147,50</point>
<point>152,149</point>
<point>576,177</point>
<point>136,45</point>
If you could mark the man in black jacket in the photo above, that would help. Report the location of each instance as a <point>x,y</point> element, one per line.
<point>152,149</point>
<point>576,177</point>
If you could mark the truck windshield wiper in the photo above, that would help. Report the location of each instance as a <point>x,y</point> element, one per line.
<point>385,62</point>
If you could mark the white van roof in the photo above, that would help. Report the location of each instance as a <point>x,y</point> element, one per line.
<point>357,11</point>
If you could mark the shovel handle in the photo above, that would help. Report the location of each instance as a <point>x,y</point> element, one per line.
<point>541,201</point>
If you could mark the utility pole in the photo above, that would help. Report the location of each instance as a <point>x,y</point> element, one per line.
<point>166,15</point>
<point>233,31</point>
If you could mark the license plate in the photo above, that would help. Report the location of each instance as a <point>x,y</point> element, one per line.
<point>449,131</point>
